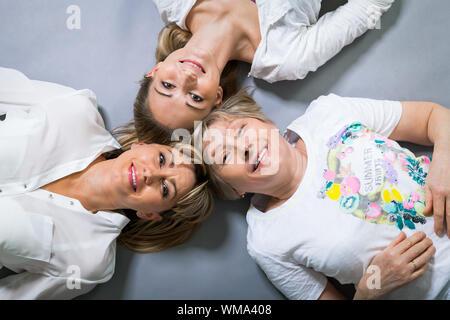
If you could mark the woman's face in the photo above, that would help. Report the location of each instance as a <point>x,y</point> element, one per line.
<point>148,179</point>
<point>246,153</point>
<point>185,88</point>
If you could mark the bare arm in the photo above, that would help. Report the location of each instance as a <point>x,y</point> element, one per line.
<point>331,293</point>
<point>428,123</point>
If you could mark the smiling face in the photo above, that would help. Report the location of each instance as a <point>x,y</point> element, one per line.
<point>148,180</point>
<point>185,88</point>
<point>246,153</point>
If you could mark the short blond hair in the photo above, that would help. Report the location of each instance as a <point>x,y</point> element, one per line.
<point>240,105</point>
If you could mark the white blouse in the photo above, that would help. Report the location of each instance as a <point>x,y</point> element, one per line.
<point>294,41</point>
<point>58,249</point>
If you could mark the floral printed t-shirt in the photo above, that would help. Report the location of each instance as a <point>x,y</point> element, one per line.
<point>359,190</point>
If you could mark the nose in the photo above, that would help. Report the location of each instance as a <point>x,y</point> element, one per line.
<point>244,148</point>
<point>189,77</point>
<point>152,175</point>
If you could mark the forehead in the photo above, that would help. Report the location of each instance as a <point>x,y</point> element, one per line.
<point>171,112</point>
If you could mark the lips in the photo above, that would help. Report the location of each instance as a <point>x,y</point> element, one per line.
<point>194,64</point>
<point>259,159</point>
<point>133,177</point>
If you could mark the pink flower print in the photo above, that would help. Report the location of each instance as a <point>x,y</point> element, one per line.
<point>373,212</point>
<point>329,175</point>
<point>345,171</point>
<point>349,186</point>
<point>408,204</point>
<point>341,156</point>
<point>390,156</point>
<point>415,196</point>
<point>349,150</point>
<point>389,142</point>
<point>426,160</point>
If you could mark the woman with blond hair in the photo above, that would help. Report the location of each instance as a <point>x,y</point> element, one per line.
<point>69,190</point>
<point>332,195</point>
<point>282,40</point>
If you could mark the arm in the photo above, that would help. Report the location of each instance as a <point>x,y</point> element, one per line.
<point>321,41</point>
<point>331,293</point>
<point>428,123</point>
<point>27,286</point>
<point>295,281</point>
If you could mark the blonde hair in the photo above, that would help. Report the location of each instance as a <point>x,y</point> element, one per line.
<point>171,38</point>
<point>240,105</point>
<point>179,223</point>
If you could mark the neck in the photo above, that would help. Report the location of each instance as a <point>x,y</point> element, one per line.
<point>87,186</point>
<point>236,32</point>
<point>295,166</point>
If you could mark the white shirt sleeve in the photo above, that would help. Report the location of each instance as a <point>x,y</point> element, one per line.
<point>380,116</point>
<point>295,281</point>
<point>319,42</point>
<point>174,11</point>
<point>33,286</point>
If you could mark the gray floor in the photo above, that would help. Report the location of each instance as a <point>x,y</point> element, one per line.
<point>407,59</point>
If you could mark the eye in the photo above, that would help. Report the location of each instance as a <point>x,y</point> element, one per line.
<point>241,129</point>
<point>167,85</point>
<point>162,159</point>
<point>196,98</point>
<point>165,189</point>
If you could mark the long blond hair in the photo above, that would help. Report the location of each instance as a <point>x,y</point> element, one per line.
<point>181,222</point>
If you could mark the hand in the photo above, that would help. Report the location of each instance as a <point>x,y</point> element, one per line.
<point>403,261</point>
<point>437,192</point>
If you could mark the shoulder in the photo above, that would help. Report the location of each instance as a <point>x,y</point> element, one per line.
<point>77,106</point>
<point>173,11</point>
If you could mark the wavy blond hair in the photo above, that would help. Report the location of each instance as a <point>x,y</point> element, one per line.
<point>240,105</point>
<point>181,222</point>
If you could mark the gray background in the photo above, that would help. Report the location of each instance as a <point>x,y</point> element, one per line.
<point>407,59</point>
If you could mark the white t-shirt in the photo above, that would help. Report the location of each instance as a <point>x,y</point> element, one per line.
<point>58,248</point>
<point>358,190</point>
<point>294,41</point>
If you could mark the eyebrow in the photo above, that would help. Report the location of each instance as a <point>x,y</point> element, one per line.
<point>171,165</point>
<point>175,188</point>
<point>169,95</point>
<point>161,93</point>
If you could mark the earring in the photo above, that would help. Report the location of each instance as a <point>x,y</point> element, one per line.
<point>243,196</point>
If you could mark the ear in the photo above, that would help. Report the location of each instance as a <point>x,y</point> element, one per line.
<point>151,216</point>
<point>240,194</point>
<point>152,73</point>
<point>157,66</point>
<point>137,144</point>
<point>219,97</point>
